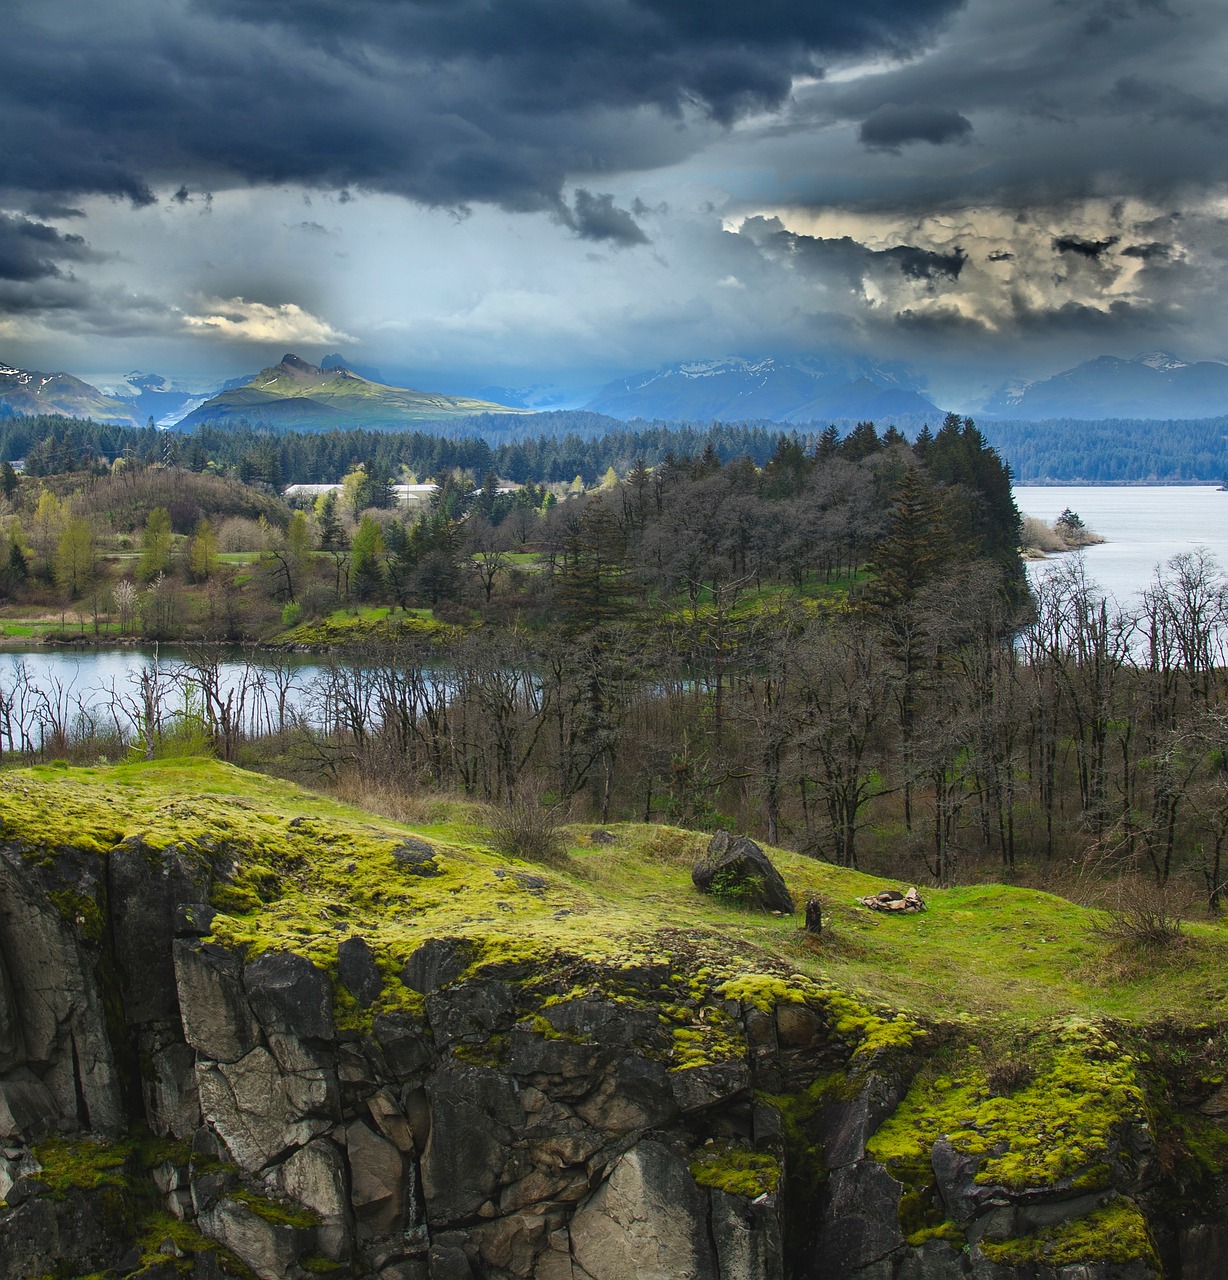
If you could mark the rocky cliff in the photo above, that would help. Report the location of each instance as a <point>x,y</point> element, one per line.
<point>246,1032</point>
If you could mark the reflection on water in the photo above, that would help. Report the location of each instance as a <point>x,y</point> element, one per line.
<point>50,695</point>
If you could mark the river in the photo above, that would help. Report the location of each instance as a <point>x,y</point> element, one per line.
<point>1143,526</point>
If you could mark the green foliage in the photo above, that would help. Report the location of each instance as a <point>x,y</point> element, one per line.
<point>156,543</point>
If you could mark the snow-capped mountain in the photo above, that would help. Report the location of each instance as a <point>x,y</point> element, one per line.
<point>28,391</point>
<point>1156,384</point>
<point>736,388</point>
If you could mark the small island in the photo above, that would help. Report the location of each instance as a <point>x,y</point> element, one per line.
<point>1067,533</point>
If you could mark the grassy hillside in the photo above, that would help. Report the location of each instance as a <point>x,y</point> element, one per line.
<point>308,872</point>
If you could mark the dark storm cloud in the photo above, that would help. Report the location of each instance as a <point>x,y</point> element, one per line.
<point>445,103</point>
<point>846,258</point>
<point>1093,249</point>
<point>1071,101</point>
<point>1147,252</point>
<point>597,217</point>
<point>33,251</point>
<point>891,126</point>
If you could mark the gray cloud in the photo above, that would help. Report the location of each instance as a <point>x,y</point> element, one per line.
<point>1153,250</point>
<point>848,259</point>
<point>596,217</point>
<point>891,126</point>
<point>33,251</point>
<point>445,103</point>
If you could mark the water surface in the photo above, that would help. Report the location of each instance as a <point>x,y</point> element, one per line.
<point>1143,526</point>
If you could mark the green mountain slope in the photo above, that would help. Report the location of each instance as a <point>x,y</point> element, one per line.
<point>297,394</point>
<point>27,391</point>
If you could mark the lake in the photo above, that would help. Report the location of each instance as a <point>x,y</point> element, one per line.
<point>1144,526</point>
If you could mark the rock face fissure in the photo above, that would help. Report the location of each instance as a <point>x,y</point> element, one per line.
<point>172,1108</point>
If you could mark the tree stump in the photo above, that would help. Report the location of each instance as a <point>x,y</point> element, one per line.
<point>814,916</point>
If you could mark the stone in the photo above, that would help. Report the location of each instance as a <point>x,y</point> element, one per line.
<point>1204,1251</point>
<point>377,1171</point>
<point>436,963</point>
<point>636,1094</point>
<point>27,1109</point>
<point>510,1243</point>
<point>172,1103</point>
<point>798,1027</point>
<point>747,1237</point>
<point>358,971</point>
<point>269,1249</point>
<point>474,1114</point>
<point>315,1177</point>
<point>697,1088</point>
<point>600,837</point>
<point>606,1023</point>
<point>648,1219</point>
<point>259,1113</point>
<point>145,888</point>
<point>861,1222</point>
<point>844,1127</point>
<point>472,1012</point>
<point>955,1178</point>
<point>448,1262</point>
<point>402,1044</point>
<point>737,869</point>
<point>391,1121</point>
<point>417,857</point>
<point>217,1020</point>
<point>12,1043</point>
<point>290,996</point>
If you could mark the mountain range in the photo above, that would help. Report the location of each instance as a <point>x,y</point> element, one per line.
<point>28,391</point>
<point>1155,384</point>
<point>738,389</point>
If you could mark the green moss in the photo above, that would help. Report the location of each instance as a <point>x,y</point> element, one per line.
<point>83,1165</point>
<point>1060,1127</point>
<point>714,1036</point>
<point>1117,1233</point>
<point>280,1213</point>
<point>737,1171</point>
<point>80,910</point>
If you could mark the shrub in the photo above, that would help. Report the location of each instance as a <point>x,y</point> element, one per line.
<point>527,827</point>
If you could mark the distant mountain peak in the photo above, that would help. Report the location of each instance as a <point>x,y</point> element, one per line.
<point>1155,384</point>
<point>1163,360</point>
<point>733,388</point>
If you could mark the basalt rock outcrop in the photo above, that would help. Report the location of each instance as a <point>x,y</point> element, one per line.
<point>178,1100</point>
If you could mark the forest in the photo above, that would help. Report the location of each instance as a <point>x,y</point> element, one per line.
<point>834,649</point>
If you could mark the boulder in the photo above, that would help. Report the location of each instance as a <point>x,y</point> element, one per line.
<point>217,1019</point>
<point>259,1113</point>
<point>270,1249</point>
<point>737,870</point>
<point>315,1176</point>
<point>290,996</point>
<point>648,1219</point>
<point>377,1172</point>
<point>358,971</point>
<point>437,963</point>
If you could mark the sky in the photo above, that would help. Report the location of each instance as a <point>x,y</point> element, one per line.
<point>558,193</point>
